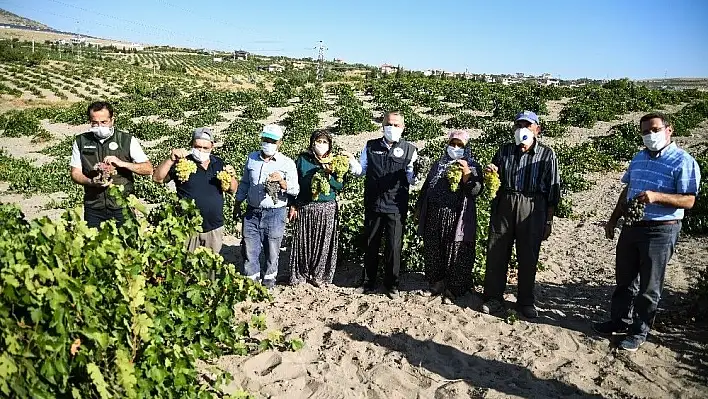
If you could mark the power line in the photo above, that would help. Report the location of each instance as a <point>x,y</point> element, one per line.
<point>320,60</point>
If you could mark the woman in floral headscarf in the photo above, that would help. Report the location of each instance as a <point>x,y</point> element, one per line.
<point>447,219</point>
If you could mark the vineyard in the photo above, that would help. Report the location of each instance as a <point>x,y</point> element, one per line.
<point>118,322</point>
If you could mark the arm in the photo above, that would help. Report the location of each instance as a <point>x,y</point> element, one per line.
<point>140,163</point>
<point>244,185</point>
<point>680,201</point>
<point>688,180</point>
<point>162,170</point>
<point>292,187</point>
<point>616,214</point>
<point>472,179</point>
<point>359,168</point>
<point>75,169</point>
<point>409,168</point>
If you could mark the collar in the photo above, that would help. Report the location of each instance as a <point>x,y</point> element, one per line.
<point>531,150</point>
<point>666,150</point>
<point>273,158</point>
<point>386,143</point>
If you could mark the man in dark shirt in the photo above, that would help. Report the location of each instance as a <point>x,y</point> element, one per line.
<point>202,186</point>
<point>522,212</point>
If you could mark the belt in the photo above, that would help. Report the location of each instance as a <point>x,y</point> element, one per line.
<point>653,223</point>
<point>261,210</point>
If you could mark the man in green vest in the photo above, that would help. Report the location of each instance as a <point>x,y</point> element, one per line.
<point>105,146</point>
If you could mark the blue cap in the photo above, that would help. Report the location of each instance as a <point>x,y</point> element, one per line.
<point>527,116</point>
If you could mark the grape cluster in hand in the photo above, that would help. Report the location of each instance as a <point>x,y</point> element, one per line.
<point>454,175</point>
<point>320,184</point>
<point>105,173</point>
<point>634,212</point>
<point>184,169</point>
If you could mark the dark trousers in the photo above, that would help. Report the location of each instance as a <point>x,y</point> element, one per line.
<point>375,224</point>
<point>94,217</point>
<point>516,218</point>
<point>641,258</point>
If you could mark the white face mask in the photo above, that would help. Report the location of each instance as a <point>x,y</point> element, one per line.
<point>101,132</point>
<point>393,133</point>
<point>454,152</point>
<point>199,155</point>
<point>523,136</point>
<point>655,141</point>
<point>269,149</point>
<point>321,148</point>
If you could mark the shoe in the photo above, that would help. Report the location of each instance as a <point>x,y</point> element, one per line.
<point>611,327</point>
<point>270,284</point>
<point>392,293</point>
<point>493,306</point>
<point>529,311</point>
<point>437,288</point>
<point>632,342</point>
<point>365,289</point>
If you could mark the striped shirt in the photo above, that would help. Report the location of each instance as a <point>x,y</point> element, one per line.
<point>532,172</point>
<point>671,171</point>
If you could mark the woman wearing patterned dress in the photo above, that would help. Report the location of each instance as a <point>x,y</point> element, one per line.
<point>447,219</point>
<point>313,256</point>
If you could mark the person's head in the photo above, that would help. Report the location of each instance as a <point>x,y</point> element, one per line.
<point>656,131</point>
<point>526,128</point>
<point>393,126</point>
<point>202,143</point>
<point>457,140</point>
<point>271,139</point>
<point>100,117</point>
<point>321,143</point>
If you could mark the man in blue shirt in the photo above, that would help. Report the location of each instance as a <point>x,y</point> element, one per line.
<point>202,186</point>
<point>268,178</point>
<point>666,179</point>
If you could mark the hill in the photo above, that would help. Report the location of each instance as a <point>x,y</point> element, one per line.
<point>8,18</point>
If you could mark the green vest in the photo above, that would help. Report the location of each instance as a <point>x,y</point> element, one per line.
<point>93,152</point>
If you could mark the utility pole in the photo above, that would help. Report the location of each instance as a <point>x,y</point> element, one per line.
<point>320,61</point>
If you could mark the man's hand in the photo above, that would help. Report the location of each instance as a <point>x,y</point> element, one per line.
<point>547,231</point>
<point>178,153</point>
<point>96,183</point>
<point>491,168</point>
<point>648,197</point>
<point>238,213</point>
<point>610,229</point>
<point>277,176</point>
<point>230,170</point>
<point>113,160</point>
<point>292,214</point>
<point>327,167</point>
<point>347,154</point>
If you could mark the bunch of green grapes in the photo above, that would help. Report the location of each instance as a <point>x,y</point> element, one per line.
<point>634,212</point>
<point>320,184</point>
<point>491,183</point>
<point>454,175</point>
<point>105,171</point>
<point>340,166</point>
<point>184,169</point>
<point>225,180</point>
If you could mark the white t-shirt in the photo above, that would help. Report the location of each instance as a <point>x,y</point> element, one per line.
<point>137,155</point>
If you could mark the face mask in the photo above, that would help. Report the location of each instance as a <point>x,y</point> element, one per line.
<point>321,148</point>
<point>393,133</point>
<point>199,156</point>
<point>102,132</point>
<point>523,136</point>
<point>655,141</point>
<point>454,152</point>
<point>269,149</point>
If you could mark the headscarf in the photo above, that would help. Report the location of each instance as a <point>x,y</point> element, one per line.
<point>311,149</point>
<point>445,160</point>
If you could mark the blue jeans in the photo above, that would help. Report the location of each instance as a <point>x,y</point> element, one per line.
<point>263,228</point>
<point>642,255</point>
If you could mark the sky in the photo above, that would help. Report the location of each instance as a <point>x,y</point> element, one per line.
<point>568,39</point>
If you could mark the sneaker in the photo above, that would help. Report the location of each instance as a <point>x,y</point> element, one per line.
<point>493,306</point>
<point>611,327</point>
<point>270,284</point>
<point>392,292</point>
<point>632,342</point>
<point>529,311</point>
<point>365,289</point>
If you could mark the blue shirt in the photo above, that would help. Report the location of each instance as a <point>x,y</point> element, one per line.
<point>672,171</point>
<point>255,174</point>
<point>205,189</point>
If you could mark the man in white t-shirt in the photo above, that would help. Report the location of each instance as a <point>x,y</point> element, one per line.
<point>104,148</point>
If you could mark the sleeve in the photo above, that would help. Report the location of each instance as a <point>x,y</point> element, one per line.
<point>688,178</point>
<point>335,184</point>
<point>554,181</point>
<point>410,174</point>
<point>137,155</point>
<point>359,168</point>
<point>291,178</point>
<point>244,184</point>
<point>75,161</point>
<point>474,185</point>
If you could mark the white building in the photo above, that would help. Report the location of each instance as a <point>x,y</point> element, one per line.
<point>387,68</point>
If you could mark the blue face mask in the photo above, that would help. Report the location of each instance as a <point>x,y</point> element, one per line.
<point>454,152</point>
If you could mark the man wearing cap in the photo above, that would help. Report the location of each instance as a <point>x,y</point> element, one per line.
<point>202,186</point>
<point>269,177</point>
<point>103,143</point>
<point>666,179</point>
<point>521,212</point>
<point>387,163</point>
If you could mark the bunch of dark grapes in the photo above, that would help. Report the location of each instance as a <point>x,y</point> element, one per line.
<point>105,172</point>
<point>272,188</point>
<point>634,212</point>
<point>421,167</point>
